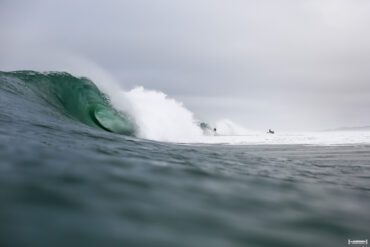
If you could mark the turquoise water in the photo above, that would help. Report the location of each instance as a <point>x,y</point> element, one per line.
<point>72,173</point>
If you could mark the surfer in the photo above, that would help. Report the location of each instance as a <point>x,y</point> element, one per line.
<point>271,131</point>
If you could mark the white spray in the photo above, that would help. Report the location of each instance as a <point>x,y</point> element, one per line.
<point>161,118</point>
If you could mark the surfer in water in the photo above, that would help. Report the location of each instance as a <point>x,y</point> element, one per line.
<point>271,132</point>
<point>214,131</point>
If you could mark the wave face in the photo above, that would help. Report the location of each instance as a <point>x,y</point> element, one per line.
<point>75,97</point>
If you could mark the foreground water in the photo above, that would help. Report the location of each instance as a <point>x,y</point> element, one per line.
<point>66,182</point>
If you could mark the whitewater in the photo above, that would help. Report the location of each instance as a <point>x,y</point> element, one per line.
<point>162,118</point>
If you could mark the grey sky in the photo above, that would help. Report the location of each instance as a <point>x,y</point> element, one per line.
<point>292,65</point>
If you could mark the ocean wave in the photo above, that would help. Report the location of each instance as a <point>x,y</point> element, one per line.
<point>78,98</point>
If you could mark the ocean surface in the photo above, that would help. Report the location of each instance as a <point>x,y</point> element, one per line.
<point>78,168</point>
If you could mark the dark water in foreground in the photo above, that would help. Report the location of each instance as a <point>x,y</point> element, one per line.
<point>64,183</point>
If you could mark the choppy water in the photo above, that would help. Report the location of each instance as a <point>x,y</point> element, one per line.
<point>69,182</point>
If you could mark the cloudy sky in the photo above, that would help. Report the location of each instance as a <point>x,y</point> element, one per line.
<point>282,64</point>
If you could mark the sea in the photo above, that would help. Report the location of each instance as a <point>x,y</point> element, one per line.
<point>84,163</point>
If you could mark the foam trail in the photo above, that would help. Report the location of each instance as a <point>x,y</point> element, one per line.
<point>288,138</point>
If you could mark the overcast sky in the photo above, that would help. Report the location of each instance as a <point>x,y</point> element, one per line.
<point>281,64</point>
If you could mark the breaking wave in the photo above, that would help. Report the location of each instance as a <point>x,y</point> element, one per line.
<point>75,97</point>
<point>138,112</point>
<point>141,113</point>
